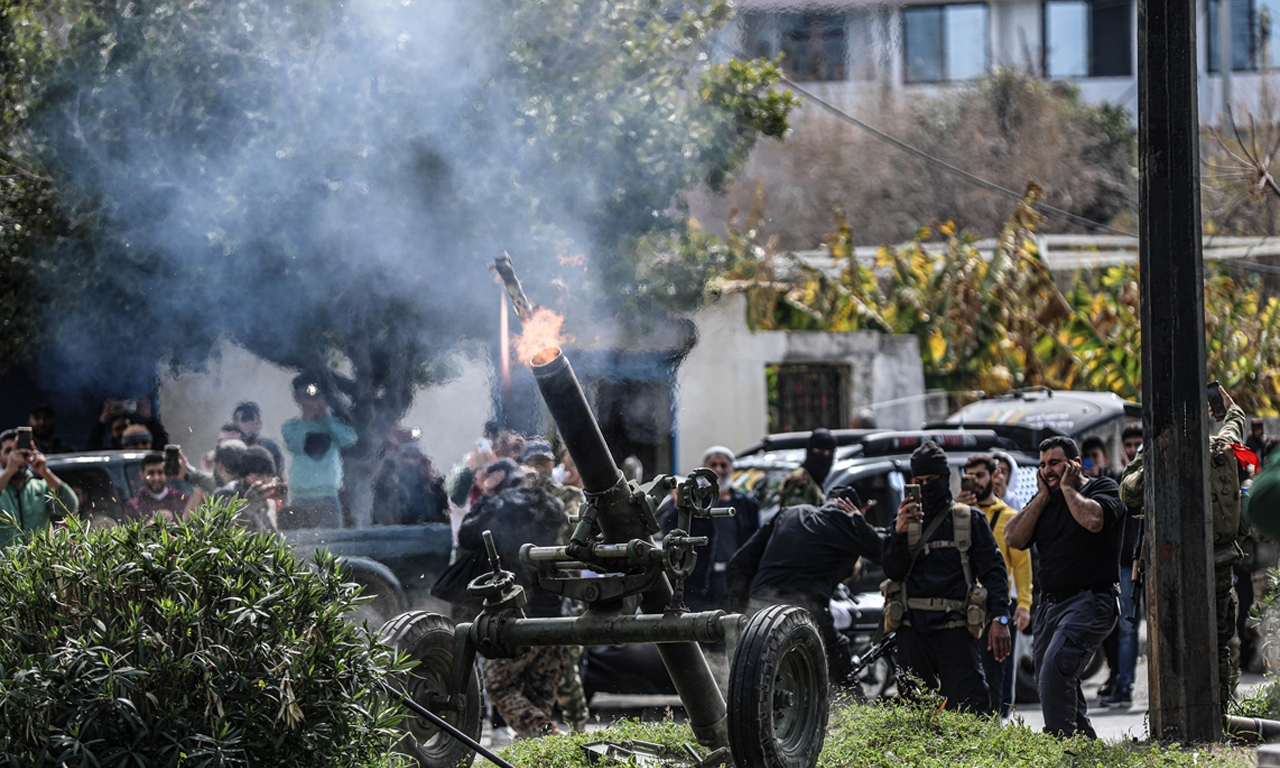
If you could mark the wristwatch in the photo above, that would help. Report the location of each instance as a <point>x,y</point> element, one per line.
<point>1003,620</point>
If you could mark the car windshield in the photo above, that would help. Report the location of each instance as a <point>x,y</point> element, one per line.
<point>94,489</point>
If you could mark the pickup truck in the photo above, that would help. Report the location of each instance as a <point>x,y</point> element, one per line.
<point>396,564</point>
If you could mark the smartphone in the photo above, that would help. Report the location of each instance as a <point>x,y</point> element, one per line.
<point>968,483</point>
<point>912,491</point>
<point>24,438</point>
<point>1216,405</point>
<point>172,464</point>
<point>1086,463</point>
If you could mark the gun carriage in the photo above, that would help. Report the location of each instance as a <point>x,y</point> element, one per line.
<point>776,710</point>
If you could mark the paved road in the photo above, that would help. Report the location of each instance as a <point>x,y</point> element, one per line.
<point>1116,724</point>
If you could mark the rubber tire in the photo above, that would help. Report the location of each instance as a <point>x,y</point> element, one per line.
<point>428,639</point>
<point>780,653</point>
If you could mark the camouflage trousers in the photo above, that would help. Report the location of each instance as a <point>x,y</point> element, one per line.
<point>569,695</point>
<point>1225,614</point>
<point>523,689</point>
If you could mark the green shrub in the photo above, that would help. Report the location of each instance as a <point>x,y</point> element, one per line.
<point>1265,701</point>
<point>192,644</point>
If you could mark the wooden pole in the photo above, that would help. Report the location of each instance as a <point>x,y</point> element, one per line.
<point>1183,666</point>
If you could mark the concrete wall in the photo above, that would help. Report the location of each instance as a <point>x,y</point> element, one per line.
<point>195,405</point>
<point>721,392</point>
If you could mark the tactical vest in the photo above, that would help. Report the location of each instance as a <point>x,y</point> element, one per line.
<point>1224,492</point>
<point>974,607</point>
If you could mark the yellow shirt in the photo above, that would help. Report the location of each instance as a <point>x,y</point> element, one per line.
<point>1016,561</point>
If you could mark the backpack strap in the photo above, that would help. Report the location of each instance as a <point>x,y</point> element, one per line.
<point>962,527</point>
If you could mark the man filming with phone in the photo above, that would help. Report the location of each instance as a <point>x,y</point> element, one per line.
<point>1077,523</point>
<point>1225,473</point>
<point>946,586</point>
<point>30,492</point>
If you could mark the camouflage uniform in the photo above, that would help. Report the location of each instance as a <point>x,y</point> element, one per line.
<point>570,696</point>
<point>523,689</point>
<point>1224,500</point>
<point>799,487</point>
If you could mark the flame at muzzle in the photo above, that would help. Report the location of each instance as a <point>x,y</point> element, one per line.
<point>543,329</point>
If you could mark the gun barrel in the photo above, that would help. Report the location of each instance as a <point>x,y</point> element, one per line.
<point>568,405</point>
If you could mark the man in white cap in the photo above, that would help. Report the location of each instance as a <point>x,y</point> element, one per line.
<point>705,587</point>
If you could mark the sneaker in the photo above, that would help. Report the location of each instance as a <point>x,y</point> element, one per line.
<point>1119,699</point>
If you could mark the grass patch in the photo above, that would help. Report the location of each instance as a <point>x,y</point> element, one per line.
<point>1264,702</point>
<point>895,734</point>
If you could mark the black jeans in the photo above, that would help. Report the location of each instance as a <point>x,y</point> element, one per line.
<point>946,660</point>
<point>1068,633</point>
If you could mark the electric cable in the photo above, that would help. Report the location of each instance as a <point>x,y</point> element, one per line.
<point>944,165</point>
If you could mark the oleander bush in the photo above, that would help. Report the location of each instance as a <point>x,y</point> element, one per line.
<point>192,644</point>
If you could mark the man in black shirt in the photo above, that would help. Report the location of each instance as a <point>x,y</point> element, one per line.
<point>934,640</point>
<point>799,556</point>
<point>1077,524</point>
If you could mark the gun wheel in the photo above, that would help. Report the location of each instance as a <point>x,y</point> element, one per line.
<point>428,639</point>
<point>778,691</point>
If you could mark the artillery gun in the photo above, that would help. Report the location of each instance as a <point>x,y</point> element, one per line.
<point>777,707</point>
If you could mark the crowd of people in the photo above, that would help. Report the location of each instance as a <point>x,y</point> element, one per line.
<point>960,581</point>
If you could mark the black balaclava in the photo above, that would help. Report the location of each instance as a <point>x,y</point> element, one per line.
<point>816,464</point>
<point>930,459</point>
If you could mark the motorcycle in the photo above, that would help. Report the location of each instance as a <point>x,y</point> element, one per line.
<point>858,617</point>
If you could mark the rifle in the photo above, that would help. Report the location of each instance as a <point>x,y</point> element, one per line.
<point>885,646</point>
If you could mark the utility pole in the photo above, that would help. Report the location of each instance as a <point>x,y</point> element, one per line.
<point>1183,674</point>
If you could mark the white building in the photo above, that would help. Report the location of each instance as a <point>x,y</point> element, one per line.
<point>850,49</point>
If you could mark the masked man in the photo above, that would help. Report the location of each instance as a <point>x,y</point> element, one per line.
<point>804,485</point>
<point>940,558</point>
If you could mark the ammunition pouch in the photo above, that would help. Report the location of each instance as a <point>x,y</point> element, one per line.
<point>895,608</point>
<point>1227,554</point>
<point>975,612</point>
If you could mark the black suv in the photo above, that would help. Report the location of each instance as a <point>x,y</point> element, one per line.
<point>102,480</point>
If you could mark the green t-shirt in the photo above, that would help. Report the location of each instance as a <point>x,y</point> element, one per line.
<point>33,507</point>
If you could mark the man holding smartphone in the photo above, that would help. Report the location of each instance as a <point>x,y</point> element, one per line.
<point>1225,474</point>
<point>1077,523</point>
<point>29,491</point>
<point>937,569</point>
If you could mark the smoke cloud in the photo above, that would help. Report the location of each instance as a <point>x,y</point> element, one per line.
<point>298,173</point>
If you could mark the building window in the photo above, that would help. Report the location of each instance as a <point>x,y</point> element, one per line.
<point>814,45</point>
<point>1241,34</point>
<point>805,397</point>
<point>1266,20</point>
<point>945,42</point>
<point>1088,38</point>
